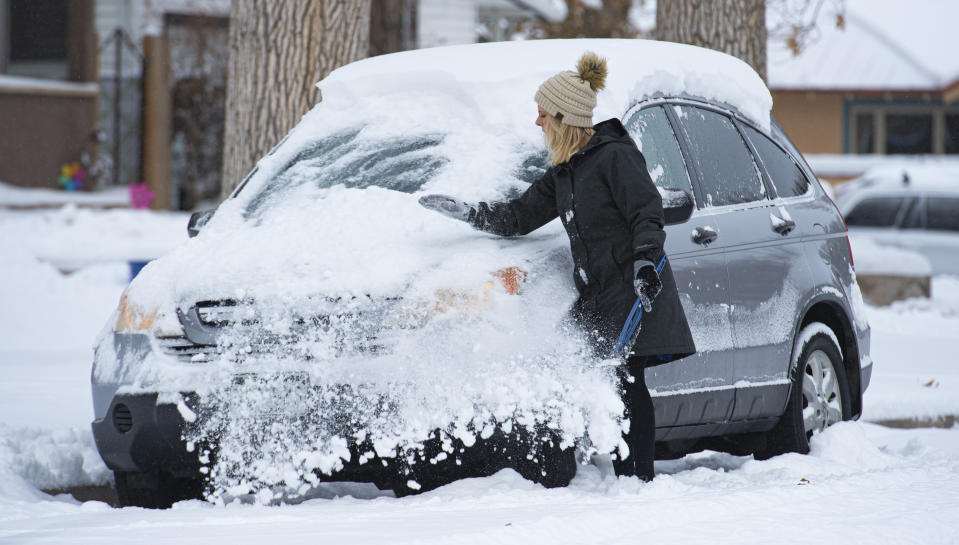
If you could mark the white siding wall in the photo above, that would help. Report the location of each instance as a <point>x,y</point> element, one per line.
<point>108,15</point>
<point>446,22</point>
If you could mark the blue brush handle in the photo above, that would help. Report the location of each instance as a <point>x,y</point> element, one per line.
<point>635,315</point>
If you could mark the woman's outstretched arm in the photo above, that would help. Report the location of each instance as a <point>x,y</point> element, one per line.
<point>531,210</point>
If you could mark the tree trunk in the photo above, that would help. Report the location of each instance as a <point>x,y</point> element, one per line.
<point>392,26</point>
<point>278,51</point>
<point>737,27</point>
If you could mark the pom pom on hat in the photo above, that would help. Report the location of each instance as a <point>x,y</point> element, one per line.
<point>573,94</point>
<point>592,70</point>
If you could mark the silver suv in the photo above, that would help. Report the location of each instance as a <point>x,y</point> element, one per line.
<point>759,252</point>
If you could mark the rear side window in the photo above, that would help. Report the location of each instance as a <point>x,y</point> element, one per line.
<point>875,212</point>
<point>942,213</point>
<point>785,175</point>
<point>654,137</point>
<point>727,172</point>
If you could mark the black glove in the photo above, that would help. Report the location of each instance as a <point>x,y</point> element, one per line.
<point>646,283</point>
<point>448,206</point>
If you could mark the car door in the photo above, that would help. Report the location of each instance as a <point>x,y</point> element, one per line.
<point>767,270</point>
<point>699,388</point>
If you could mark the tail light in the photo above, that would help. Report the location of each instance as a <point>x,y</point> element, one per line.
<point>852,262</point>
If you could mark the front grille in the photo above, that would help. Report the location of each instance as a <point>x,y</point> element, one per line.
<point>344,325</point>
<point>185,350</point>
<point>224,313</point>
<point>122,418</point>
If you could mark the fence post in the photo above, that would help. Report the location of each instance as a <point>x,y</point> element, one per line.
<point>157,120</point>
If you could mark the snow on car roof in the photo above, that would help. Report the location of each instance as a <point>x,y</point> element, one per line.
<point>637,68</point>
<point>918,176</point>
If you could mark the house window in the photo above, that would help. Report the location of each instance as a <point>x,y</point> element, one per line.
<point>952,133</point>
<point>903,128</point>
<point>865,132</point>
<point>908,133</point>
<point>37,44</point>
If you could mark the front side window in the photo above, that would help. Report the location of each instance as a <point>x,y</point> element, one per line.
<point>942,214</point>
<point>875,212</point>
<point>786,176</point>
<point>654,137</point>
<point>726,169</point>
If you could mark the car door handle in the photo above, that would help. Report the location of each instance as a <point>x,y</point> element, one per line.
<point>783,225</point>
<point>704,235</point>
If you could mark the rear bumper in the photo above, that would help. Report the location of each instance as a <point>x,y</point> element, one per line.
<point>865,373</point>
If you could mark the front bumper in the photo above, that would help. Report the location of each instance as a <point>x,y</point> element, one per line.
<point>139,435</point>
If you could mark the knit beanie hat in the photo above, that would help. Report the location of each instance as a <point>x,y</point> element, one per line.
<point>573,94</point>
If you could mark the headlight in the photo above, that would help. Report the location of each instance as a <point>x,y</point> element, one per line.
<point>131,317</point>
<point>413,314</point>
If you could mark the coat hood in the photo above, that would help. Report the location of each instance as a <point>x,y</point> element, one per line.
<point>608,131</point>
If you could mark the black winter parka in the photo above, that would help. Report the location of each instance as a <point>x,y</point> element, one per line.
<point>613,215</point>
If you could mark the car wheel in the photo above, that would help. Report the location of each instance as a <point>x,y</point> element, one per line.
<point>818,397</point>
<point>155,490</point>
<point>548,465</point>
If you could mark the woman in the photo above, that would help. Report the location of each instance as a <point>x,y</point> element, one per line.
<point>599,187</point>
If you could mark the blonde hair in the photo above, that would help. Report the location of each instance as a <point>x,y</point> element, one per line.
<point>564,140</point>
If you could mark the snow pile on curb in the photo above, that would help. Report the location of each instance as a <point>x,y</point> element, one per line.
<point>34,459</point>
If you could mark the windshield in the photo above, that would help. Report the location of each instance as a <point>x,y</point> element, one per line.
<point>400,163</point>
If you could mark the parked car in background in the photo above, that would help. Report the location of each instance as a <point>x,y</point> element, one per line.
<point>913,208</point>
<point>418,331</point>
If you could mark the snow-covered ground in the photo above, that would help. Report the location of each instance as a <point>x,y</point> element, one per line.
<point>861,483</point>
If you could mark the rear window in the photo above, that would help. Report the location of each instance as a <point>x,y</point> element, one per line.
<point>786,176</point>
<point>875,212</point>
<point>402,164</point>
<point>727,172</point>
<point>942,213</point>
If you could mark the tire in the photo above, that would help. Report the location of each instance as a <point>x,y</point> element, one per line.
<point>559,467</point>
<point>154,490</point>
<point>550,466</point>
<point>818,396</point>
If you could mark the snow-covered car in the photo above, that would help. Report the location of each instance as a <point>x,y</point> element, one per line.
<point>324,326</point>
<point>913,208</point>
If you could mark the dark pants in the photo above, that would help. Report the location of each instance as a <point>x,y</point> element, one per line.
<point>641,438</point>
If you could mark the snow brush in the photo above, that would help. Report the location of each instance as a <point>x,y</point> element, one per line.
<point>632,326</point>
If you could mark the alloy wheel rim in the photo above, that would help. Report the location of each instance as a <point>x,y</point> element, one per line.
<point>822,402</point>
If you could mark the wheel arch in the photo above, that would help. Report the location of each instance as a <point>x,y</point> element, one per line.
<point>833,314</point>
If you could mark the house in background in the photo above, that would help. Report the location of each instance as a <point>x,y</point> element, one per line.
<point>48,90</point>
<point>450,22</point>
<point>163,77</point>
<point>885,84</point>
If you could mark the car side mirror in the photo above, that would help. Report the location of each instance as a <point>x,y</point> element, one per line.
<point>198,220</point>
<point>677,205</point>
